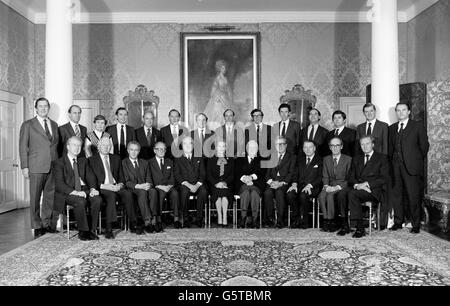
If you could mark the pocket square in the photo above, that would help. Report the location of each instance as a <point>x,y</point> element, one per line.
<point>168,167</point>
<point>316,166</point>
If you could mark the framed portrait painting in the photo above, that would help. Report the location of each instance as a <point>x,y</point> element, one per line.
<point>220,71</point>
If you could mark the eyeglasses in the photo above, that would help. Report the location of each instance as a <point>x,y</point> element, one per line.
<point>335,146</point>
<point>281,143</point>
<point>160,149</point>
<point>257,115</point>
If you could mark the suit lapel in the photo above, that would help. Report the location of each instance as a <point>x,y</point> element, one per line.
<point>38,127</point>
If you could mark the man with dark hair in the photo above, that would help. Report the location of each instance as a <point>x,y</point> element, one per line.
<point>200,135</point>
<point>72,128</point>
<point>232,134</point>
<point>121,133</point>
<point>260,132</point>
<point>171,133</point>
<point>369,175</point>
<point>38,143</point>
<point>408,147</point>
<point>315,132</point>
<point>373,127</point>
<point>147,136</point>
<point>288,128</point>
<point>347,135</point>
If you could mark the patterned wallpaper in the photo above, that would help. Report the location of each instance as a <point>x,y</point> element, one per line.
<point>429,44</point>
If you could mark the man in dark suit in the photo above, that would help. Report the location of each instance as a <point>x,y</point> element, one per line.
<point>201,135</point>
<point>71,128</point>
<point>408,147</point>
<point>108,172</point>
<point>369,175</point>
<point>190,175</point>
<point>347,135</point>
<point>121,133</point>
<point>139,181</point>
<point>172,133</point>
<point>336,169</point>
<point>161,170</point>
<point>288,128</point>
<point>306,185</point>
<point>147,136</point>
<point>38,145</point>
<point>373,127</point>
<point>259,132</point>
<point>315,132</point>
<point>278,179</point>
<point>75,186</point>
<point>233,135</point>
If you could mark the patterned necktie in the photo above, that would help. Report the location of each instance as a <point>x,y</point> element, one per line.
<point>77,131</point>
<point>367,159</point>
<point>369,129</point>
<point>122,141</point>
<point>283,130</point>
<point>109,176</point>
<point>311,134</point>
<point>149,136</point>
<point>138,173</point>
<point>47,131</point>
<point>308,160</point>
<point>335,164</point>
<point>77,175</point>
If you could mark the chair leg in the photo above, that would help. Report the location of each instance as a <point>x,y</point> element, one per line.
<point>370,219</point>
<point>378,216</point>
<point>260,213</point>
<point>209,214</point>
<point>100,222</point>
<point>68,222</point>
<point>313,213</point>
<point>318,215</point>
<point>205,215</point>
<point>289,216</point>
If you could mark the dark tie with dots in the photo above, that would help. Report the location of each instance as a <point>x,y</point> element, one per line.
<point>47,131</point>
<point>283,130</point>
<point>308,160</point>
<point>77,175</point>
<point>122,141</point>
<point>369,129</point>
<point>149,136</point>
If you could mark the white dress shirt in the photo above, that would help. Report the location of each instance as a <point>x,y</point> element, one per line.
<point>312,126</point>
<point>41,121</point>
<point>405,123</point>
<point>281,126</point>
<point>372,124</point>
<point>119,127</point>
<point>106,171</point>
<point>71,163</point>
<point>339,130</point>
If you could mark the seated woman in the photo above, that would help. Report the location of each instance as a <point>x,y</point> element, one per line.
<point>92,138</point>
<point>250,183</point>
<point>220,172</point>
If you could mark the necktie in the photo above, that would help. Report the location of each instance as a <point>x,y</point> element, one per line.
<point>161,163</point>
<point>367,159</point>
<point>311,134</point>
<point>336,132</point>
<point>77,175</point>
<point>138,173</point>
<point>280,158</point>
<point>401,129</point>
<point>283,130</point>
<point>122,141</point>
<point>189,158</point>
<point>369,129</point>
<point>47,131</point>
<point>109,177</point>
<point>308,160</point>
<point>77,131</point>
<point>257,134</point>
<point>335,165</point>
<point>202,133</point>
<point>149,136</point>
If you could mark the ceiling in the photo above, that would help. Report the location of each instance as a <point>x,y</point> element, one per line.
<point>218,10</point>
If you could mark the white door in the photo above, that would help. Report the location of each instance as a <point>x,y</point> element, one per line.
<point>12,187</point>
<point>89,109</point>
<point>352,107</point>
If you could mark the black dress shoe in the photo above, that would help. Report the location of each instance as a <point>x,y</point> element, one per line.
<point>50,230</point>
<point>242,223</point>
<point>343,231</point>
<point>109,234</point>
<point>177,224</point>
<point>415,230</point>
<point>187,224</point>
<point>360,232</point>
<point>396,226</point>
<point>325,226</point>
<point>139,230</point>
<point>38,232</point>
<point>84,236</point>
<point>199,223</point>
<point>93,236</point>
<point>279,225</point>
<point>159,227</point>
<point>149,228</point>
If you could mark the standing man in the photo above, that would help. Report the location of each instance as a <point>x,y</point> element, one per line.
<point>121,133</point>
<point>232,135</point>
<point>315,132</point>
<point>171,133</point>
<point>259,132</point>
<point>200,135</point>
<point>147,136</point>
<point>347,135</point>
<point>375,128</point>
<point>288,129</point>
<point>38,145</point>
<point>408,146</point>
<point>71,128</point>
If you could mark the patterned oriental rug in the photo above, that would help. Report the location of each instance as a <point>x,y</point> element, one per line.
<point>221,257</point>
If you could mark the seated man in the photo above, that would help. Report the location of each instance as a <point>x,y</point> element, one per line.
<point>75,186</point>
<point>336,169</point>
<point>250,182</point>
<point>107,169</point>
<point>161,170</point>
<point>190,177</point>
<point>278,178</point>
<point>139,181</point>
<point>369,175</point>
<point>307,183</point>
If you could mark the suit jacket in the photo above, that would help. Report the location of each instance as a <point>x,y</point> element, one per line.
<point>162,176</point>
<point>147,148</point>
<point>237,140</point>
<point>243,167</point>
<point>379,132</point>
<point>320,138</point>
<point>96,164</point>
<point>213,172</point>
<point>292,135</point>
<point>65,132</point>
<point>167,138</point>
<point>414,144</point>
<point>285,171</point>
<point>338,176</point>
<point>348,137</point>
<point>198,145</point>
<point>130,135</point>
<point>375,172</point>
<point>192,172</point>
<point>36,151</point>
<point>311,174</point>
<point>65,176</point>
<point>131,176</point>
<point>265,138</point>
